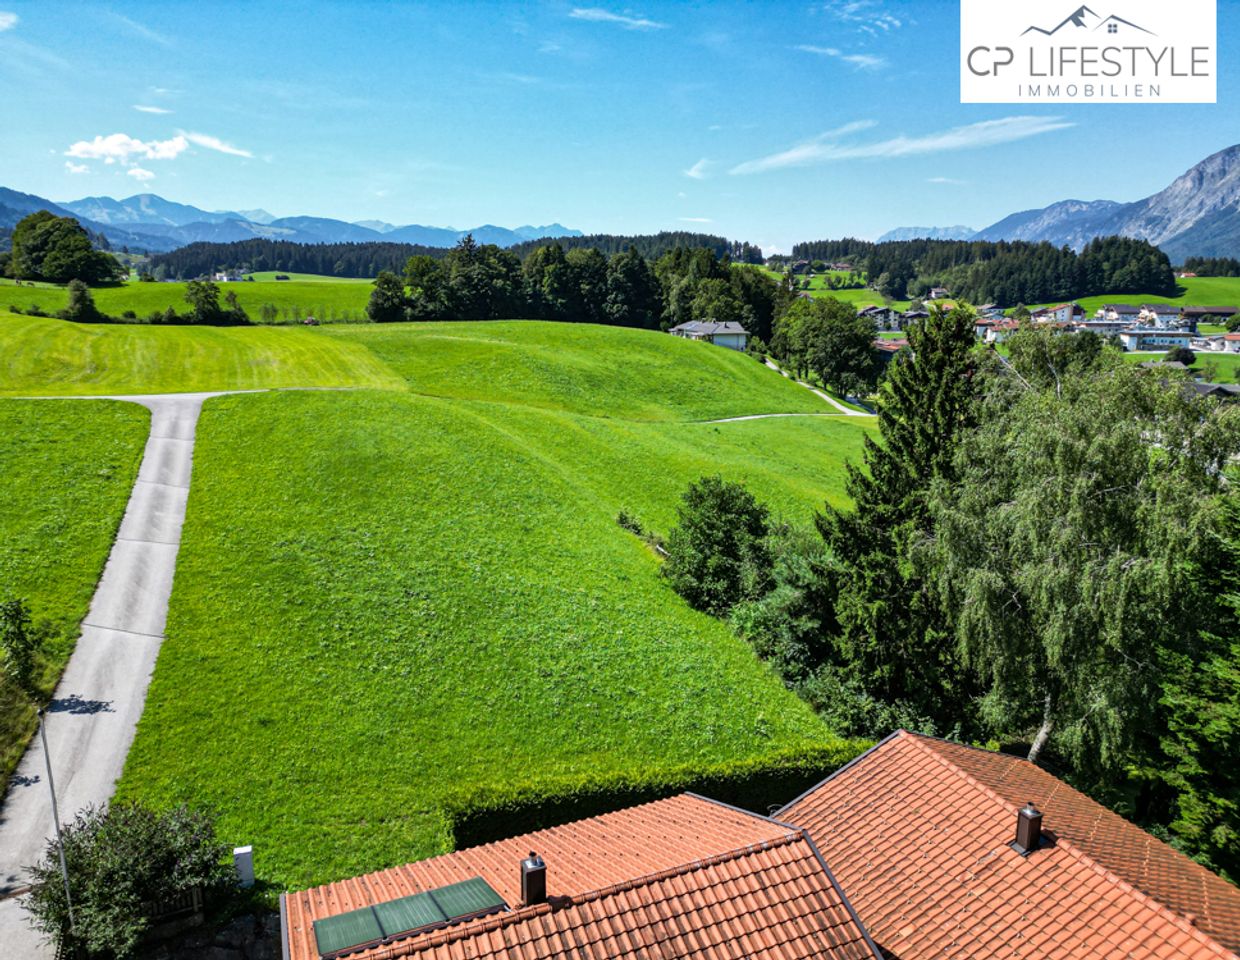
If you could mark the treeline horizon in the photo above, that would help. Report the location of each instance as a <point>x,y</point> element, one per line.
<point>1007,273</point>
<point>368,259</point>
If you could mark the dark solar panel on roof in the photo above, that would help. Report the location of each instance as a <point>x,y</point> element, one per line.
<point>345,932</point>
<point>409,913</point>
<point>468,898</point>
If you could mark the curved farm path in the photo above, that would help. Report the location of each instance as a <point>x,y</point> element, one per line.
<point>847,411</point>
<point>92,717</point>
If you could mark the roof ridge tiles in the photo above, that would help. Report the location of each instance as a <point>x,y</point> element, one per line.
<point>523,914</point>
<point>1067,845</point>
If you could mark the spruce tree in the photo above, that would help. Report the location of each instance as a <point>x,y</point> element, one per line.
<point>891,635</point>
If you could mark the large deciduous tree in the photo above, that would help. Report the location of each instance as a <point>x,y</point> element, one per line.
<point>58,249</point>
<point>387,299</point>
<point>1066,541</point>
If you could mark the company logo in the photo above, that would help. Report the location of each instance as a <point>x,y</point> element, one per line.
<point>1140,51</point>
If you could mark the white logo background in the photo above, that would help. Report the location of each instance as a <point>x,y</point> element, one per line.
<point>1108,51</point>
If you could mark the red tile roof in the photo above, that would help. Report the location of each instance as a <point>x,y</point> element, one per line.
<point>681,877</point>
<point>918,832</point>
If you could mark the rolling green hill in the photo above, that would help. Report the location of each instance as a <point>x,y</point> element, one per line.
<point>419,603</point>
<point>585,368</point>
<point>407,600</point>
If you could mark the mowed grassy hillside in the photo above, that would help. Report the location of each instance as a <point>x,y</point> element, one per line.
<point>583,368</point>
<point>318,296</point>
<point>45,357</point>
<point>1198,292</point>
<point>418,601</point>
<point>423,598</point>
<point>66,470</point>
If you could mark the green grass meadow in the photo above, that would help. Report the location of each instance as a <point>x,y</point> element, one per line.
<point>317,296</point>
<point>66,471</point>
<point>395,599</point>
<point>423,599</point>
<point>583,368</point>
<point>45,357</point>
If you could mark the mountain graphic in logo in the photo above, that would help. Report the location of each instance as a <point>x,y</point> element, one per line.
<point>1085,19</point>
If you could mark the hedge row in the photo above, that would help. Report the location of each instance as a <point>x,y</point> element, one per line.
<point>760,785</point>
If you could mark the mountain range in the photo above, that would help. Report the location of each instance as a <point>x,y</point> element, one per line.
<point>1198,214</point>
<point>152,223</point>
<point>928,233</point>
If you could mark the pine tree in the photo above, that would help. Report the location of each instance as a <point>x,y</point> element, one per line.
<point>891,635</point>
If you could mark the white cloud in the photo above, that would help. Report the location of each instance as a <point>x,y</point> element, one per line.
<point>72,167</point>
<point>215,143</point>
<point>144,108</point>
<point>127,151</point>
<point>973,136</point>
<point>698,170</point>
<point>142,176</point>
<point>120,147</point>
<point>867,16</point>
<point>696,220</point>
<point>142,30</point>
<point>862,61</point>
<point>7,20</point>
<point>599,15</point>
<point>948,180</point>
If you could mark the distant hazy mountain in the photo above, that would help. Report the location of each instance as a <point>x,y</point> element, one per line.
<point>927,233</point>
<point>1198,214</point>
<point>144,208</point>
<point>15,205</point>
<point>256,216</point>
<point>379,226</point>
<point>150,222</point>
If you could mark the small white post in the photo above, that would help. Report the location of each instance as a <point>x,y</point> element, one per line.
<point>243,862</point>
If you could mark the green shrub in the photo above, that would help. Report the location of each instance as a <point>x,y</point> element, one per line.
<point>630,523</point>
<point>717,554</point>
<point>122,861</point>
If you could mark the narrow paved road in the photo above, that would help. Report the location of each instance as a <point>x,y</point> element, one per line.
<point>848,411</point>
<point>91,720</point>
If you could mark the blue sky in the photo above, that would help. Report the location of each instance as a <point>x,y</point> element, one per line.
<point>771,122</point>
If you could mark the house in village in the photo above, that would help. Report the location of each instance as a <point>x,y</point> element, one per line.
<point>996,331</point>
<point>1148,339</point>
<point>917,849</point>
<point>1208,314</point>
<point>1163,316</point>
<point>938,293</point>
<point>885,318</point>
<point>1121,312</point>
<point>888,348</point>
<point>731,335</point>
<point>1231,343</point>
<point>1060,313</point>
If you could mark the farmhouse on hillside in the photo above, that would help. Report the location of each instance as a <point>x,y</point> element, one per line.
<point>731,335</point>
<point>918,849</point>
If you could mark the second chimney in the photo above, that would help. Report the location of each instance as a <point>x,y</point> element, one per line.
<point>1028,830</point>
<point>533,880</point>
